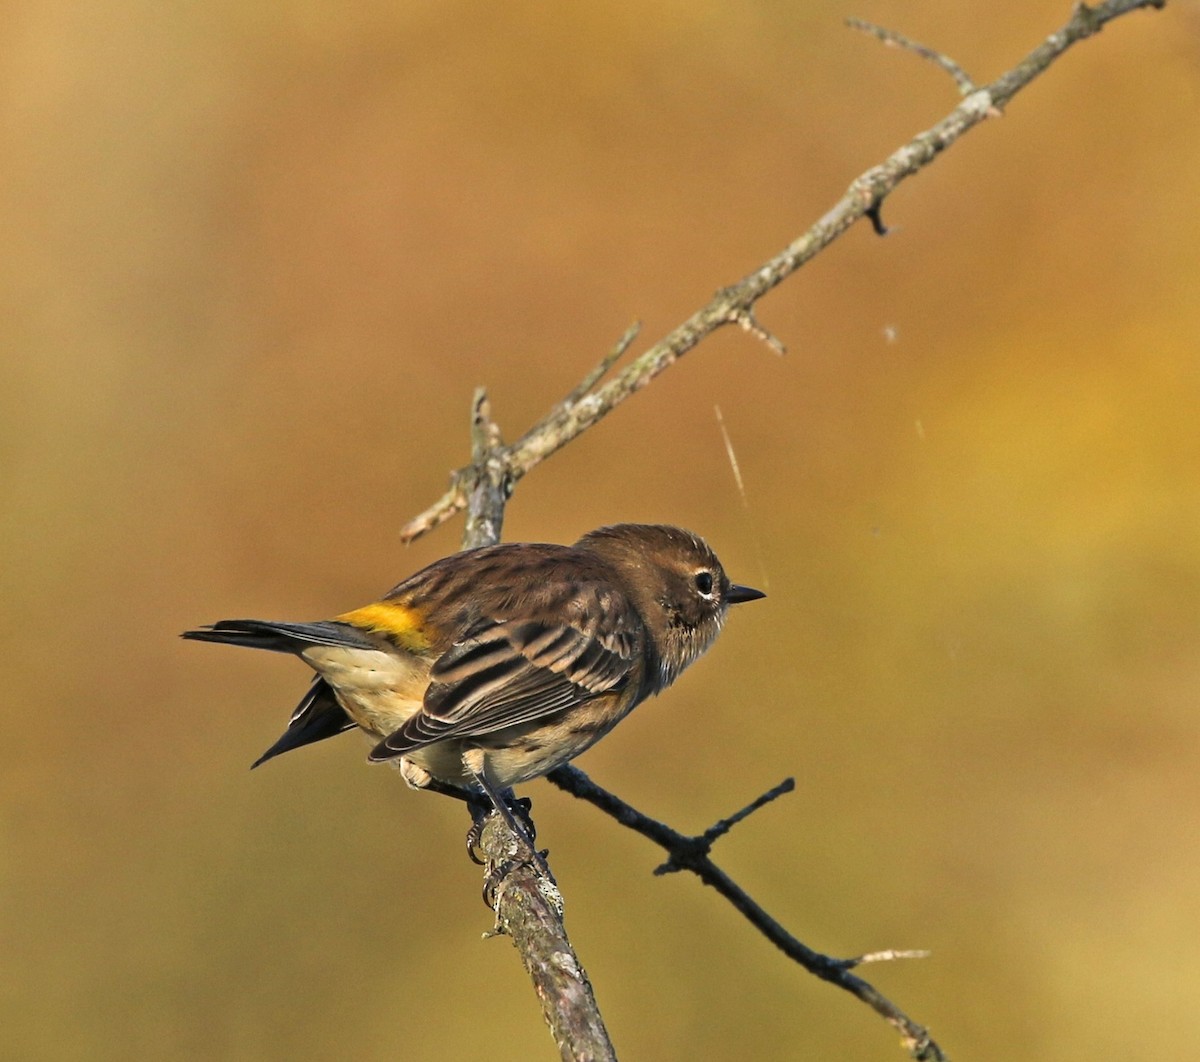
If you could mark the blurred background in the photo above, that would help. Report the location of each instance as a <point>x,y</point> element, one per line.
<point>257,256</point>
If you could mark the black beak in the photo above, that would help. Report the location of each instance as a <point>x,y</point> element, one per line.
<point>737,594</point>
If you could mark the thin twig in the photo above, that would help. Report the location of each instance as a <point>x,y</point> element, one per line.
<point>733,461</point>
<point>718,829</point>
<point>749,324</point>
<point>897,40</point>
<point>888,955</point>
<point>601,370</point>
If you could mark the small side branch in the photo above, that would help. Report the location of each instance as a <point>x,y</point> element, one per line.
<point>702,844</point>
<point>610,359</point>
<point>692,853</point>
<point>897,40</point>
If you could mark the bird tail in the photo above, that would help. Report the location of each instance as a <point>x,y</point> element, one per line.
<point>282,637</point>
<point>317,717</point>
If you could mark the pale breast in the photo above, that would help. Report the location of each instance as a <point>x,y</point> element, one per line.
<point>379,690</point>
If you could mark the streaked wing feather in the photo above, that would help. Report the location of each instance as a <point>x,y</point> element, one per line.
<point>506,674</point>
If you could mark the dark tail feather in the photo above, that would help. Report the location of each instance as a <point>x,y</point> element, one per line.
<point>282,637</point>
<point>317,717</point>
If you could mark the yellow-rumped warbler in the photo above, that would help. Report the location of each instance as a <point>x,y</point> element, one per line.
<point>497,665</point>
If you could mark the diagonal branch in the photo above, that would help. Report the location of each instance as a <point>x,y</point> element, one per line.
<point>692,853</point>
<point>735,304</point>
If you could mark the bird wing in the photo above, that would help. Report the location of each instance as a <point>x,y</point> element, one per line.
<point>505,673</point>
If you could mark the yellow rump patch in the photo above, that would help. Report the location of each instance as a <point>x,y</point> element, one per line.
<point>402,624</point>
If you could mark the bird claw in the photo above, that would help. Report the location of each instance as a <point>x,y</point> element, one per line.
<point>521,808</point>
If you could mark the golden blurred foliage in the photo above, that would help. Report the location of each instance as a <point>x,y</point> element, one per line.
<point>257,256</point>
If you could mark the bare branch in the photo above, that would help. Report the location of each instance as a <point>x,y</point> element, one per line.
<point>890,955</point>
<point>691,853</point>
<point>897,40</point>
<point>529,910</point>
<point>585,406</point>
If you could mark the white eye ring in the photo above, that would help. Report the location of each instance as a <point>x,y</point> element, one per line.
<point>704,582</point>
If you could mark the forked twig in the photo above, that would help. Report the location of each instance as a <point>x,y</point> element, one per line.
<point>692,853</point>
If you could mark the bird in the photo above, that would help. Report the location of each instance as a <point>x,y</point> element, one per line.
<point>496,665</point>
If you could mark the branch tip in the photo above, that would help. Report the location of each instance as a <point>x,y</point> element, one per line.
<point>897,40</point>
<point>485,432</point>
<point>597,374</point>
<point>719,829</point>
<point>749,323</point>
<point>449,504</point>
<point>886,955</point>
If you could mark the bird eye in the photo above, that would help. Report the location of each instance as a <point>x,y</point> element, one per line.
<point>704,583</point>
